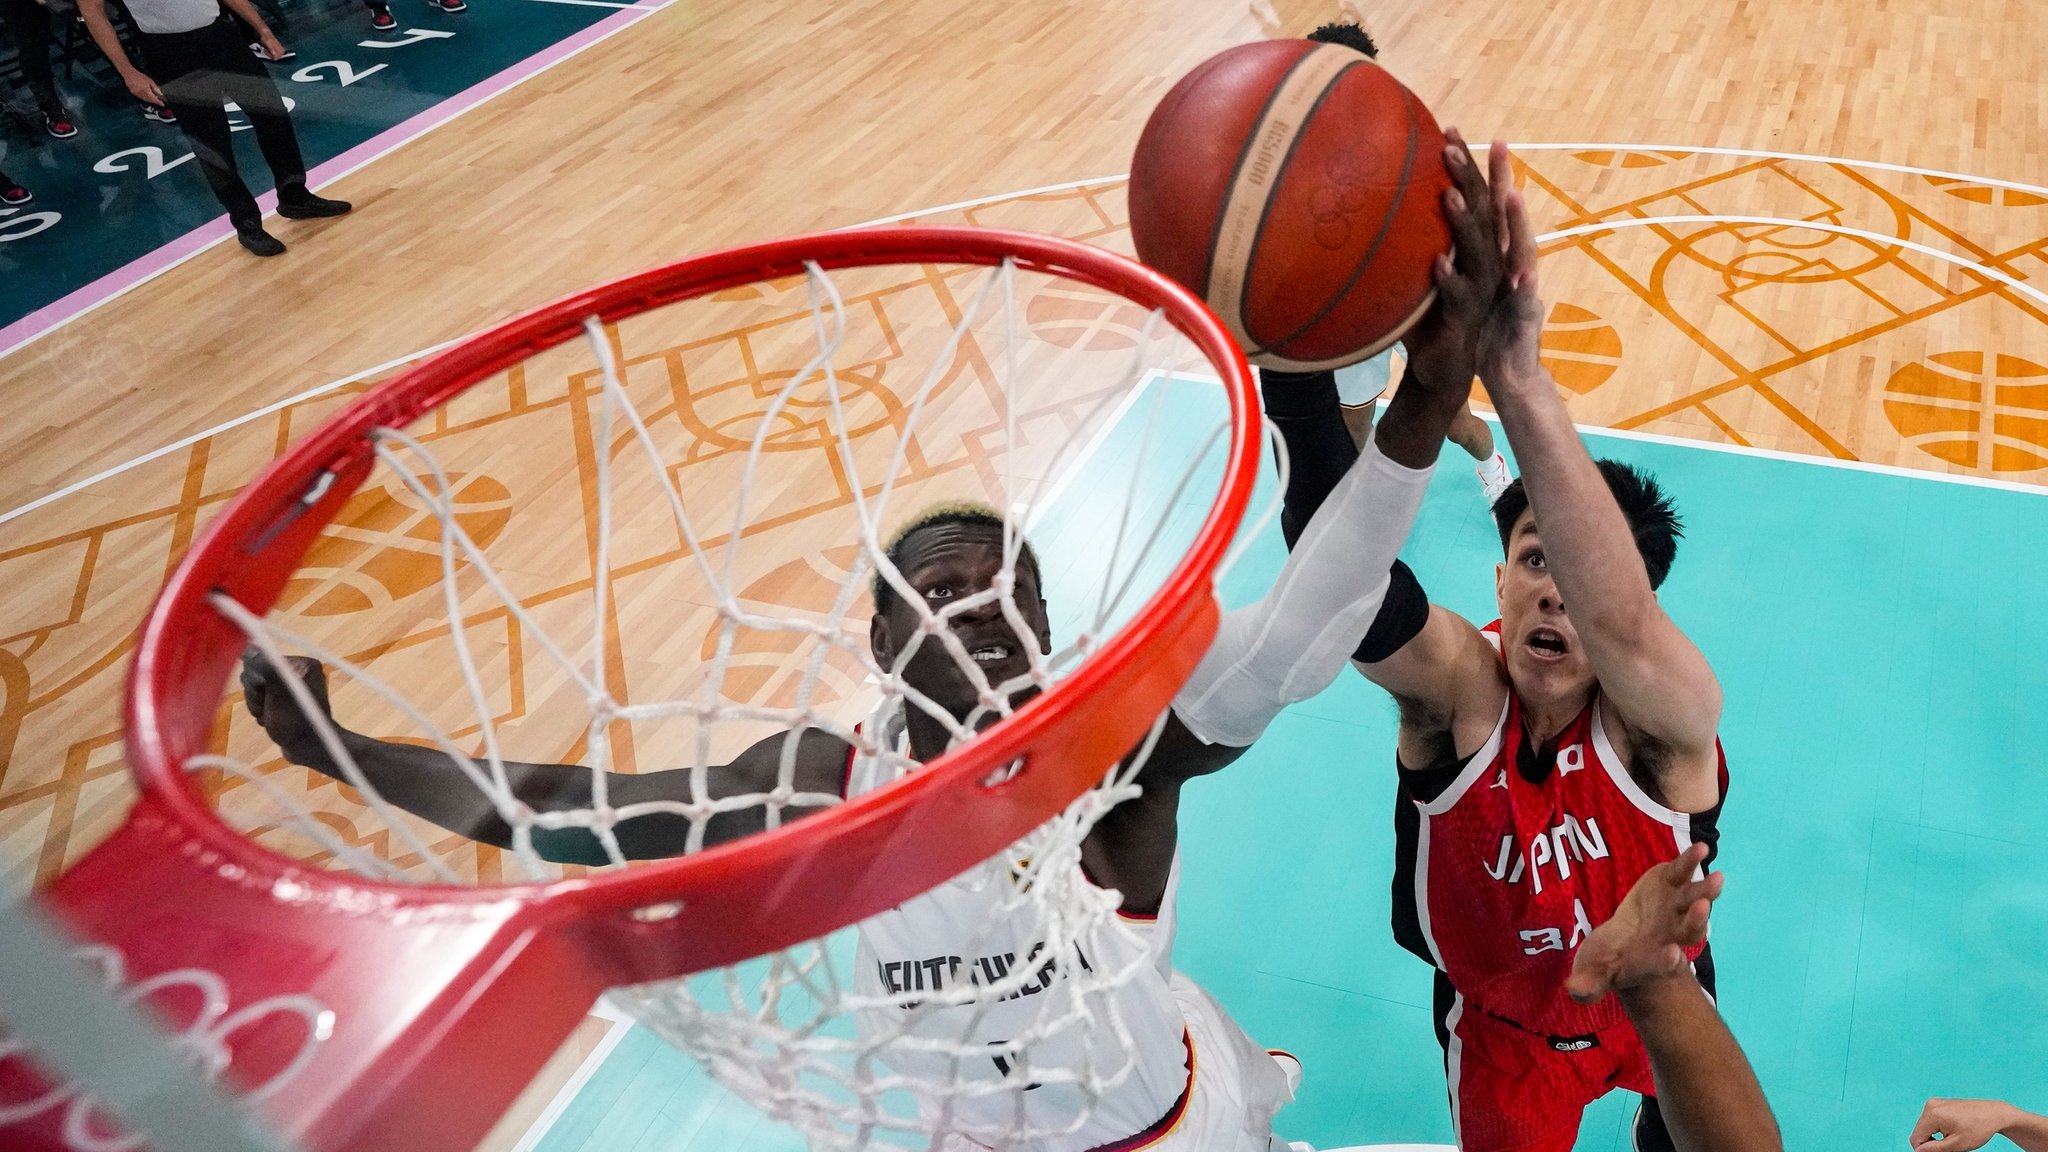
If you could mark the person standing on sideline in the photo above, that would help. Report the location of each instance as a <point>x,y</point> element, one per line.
<point>202,63</point>
<point>383,21</point>
<point>29,24</point>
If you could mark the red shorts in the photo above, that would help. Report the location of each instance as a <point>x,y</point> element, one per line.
<point>1514,1091</point>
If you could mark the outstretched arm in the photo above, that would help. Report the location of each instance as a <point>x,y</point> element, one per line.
<point>1433,661</point>
<point>1658,682</point>
<point>1293,643</point>
<point>429,784</point>
<point>1708,1093</point>
<point>1966,1125</point>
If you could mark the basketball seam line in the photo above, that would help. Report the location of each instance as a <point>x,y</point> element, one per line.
<point>1251,259</point>
<point>1386,226</point>
<point>1251,140</point>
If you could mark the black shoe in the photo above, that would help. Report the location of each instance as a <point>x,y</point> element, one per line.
<point>159,114</point>
<point>303,205</point>
<point>256,240</point>
<point>448,5</point>
<point>381,18</point>
<point>12,194</point>
<point>58,123</point>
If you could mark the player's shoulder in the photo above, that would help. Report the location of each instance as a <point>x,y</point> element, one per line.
<point>1461,687</point>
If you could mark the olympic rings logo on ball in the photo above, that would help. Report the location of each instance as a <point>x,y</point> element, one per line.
<point>203,1042</point>
<point>1347,172</point>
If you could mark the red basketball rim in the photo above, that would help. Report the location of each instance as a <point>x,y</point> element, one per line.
<point>894,842</point>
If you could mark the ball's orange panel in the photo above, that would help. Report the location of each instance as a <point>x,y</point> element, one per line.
<point>1188,156</point>
<point>1354,223</point>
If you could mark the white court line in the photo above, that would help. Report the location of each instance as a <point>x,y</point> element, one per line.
<point>345,381</point>
<point>1798,458</point>
<point>1762,154</point>
<point>1880,238</point>
<point>324,178</point>
<point>1072,184</point>
<point>980,200</point>
<point>217,429</point>
<point>564,1096</point>
<point>601,4</point>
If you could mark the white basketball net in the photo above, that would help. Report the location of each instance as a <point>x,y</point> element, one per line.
<point>1035,1024</point>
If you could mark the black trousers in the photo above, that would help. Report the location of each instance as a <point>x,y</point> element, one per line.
<point>199,72</point>
<point>29,23</point>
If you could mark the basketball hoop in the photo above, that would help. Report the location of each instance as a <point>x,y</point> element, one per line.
<point>365,1010</point>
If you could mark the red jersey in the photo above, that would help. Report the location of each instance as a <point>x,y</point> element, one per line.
<point>1509,859</point>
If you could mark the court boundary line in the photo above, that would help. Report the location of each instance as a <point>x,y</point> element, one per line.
<point>624,20</point>
<point>114,470</point>
<point>9,331</point>
<point>1767,154</point>
<point>90,297</point>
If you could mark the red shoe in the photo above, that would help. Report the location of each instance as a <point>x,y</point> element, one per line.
<point>12,194</point>
<point>381,19</point>
<point>59,125</point>
<point>159,114</point>
<point>448,5</point>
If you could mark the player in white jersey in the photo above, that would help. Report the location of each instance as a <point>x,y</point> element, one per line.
<point>1164,1067</point>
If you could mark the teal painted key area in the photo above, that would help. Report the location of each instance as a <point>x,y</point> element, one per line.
<point>1878,637</point>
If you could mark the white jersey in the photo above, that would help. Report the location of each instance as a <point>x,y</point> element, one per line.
<point>1094,1009</point>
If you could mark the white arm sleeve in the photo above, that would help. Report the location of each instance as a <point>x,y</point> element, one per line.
<point>1292,644</point>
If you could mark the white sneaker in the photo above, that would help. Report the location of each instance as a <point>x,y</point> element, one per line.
<point>1494,477</point>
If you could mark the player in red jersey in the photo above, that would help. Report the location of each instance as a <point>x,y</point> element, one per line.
<point>1547,760</point>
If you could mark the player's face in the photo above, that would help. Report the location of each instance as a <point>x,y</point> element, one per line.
<point>945,564</point>
<point>1543,655</point>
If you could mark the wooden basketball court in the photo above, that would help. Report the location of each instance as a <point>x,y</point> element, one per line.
<point>1816,229</point>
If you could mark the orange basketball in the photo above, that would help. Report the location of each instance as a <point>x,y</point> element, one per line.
<point>1298,188</point>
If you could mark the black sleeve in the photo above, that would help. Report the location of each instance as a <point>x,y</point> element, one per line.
<point>1303,406</point>
<point>1403,613</point>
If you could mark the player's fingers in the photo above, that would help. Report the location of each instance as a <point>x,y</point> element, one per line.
<point>1928,1124</point>
<point>1704,891</point>
<point>1680,871</point>
<point>1589,980</point>
<point>1693,927</point>
<point>253,679</point>
<point>1501,179</point>
<point>1467,176</point>
<point>1445,272</point>
<point>1467,238</point>
<point>1464,170</point>
<point>1521,244</point>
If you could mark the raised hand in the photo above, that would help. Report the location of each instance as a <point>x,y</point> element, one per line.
<point>1442,347</point>
<point>1645,940</point>
<point>1507,351</point>
<point>1964,1125</point>
<point>270,701</point>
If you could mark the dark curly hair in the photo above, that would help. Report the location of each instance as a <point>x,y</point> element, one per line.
<point>1349,35</point>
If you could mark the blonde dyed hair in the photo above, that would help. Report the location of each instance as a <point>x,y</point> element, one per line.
<point>973,512</point>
